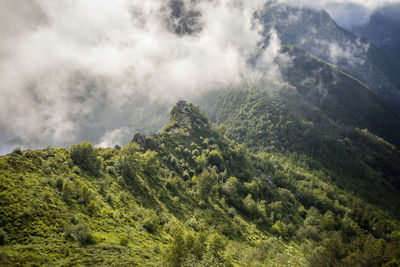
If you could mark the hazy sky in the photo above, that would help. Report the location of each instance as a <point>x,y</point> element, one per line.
<point>61,61</point>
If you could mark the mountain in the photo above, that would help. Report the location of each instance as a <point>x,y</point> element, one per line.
<point>317,33</point>
<point>383,30</point>
<point>278,119</point>
<point>340,96</point>
<point>190,196</point>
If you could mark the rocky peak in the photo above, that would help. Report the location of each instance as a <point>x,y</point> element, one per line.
<point>139,139</point>
<point>188,115</point>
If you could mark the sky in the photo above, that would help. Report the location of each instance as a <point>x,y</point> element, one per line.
<point>73,71</point>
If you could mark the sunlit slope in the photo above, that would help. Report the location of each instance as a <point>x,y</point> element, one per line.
<point>278,119</point>
<point>187,196</point>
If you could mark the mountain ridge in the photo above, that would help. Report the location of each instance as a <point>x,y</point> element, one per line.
<point>318,34</point>
<point>185,195</point>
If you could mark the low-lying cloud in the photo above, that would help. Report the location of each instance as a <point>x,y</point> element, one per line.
<point>347,13</point>
<point>62,63</point>
<point>95,69</point>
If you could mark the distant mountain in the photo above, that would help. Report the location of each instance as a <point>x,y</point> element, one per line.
<point>383,30</point>
<point>317,33</point>
<point>340,96</point>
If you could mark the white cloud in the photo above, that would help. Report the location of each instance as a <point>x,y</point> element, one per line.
<point>60,61</point>
<point>114,137</point>
<point>347,13</point>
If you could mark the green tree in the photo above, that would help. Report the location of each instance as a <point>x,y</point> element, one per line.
<point>214,255</point>
<point>3,237</point>
<point>85,156</point>
<point>67,192</point>
<point>215,159</point>
<point>129,163</point>
<point>176,251</point>
<point>150,163</point>
<point>206,183</point>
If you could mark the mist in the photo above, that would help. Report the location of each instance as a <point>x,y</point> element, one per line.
<point>99,71</point>
<point>347,13</point>
<point>85,70</point>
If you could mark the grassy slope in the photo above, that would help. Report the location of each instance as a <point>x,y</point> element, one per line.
<point>38,220</point>
<point>278,211</point>
<point>36,217</point>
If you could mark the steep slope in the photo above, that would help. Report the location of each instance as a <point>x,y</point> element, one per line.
<point>278,119</point>
<point>341,97</point>
<point>317,33</point>
<point>383,30</point>
<point>186,196</point>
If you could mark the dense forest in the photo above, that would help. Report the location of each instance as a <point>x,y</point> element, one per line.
<point>269,181</point>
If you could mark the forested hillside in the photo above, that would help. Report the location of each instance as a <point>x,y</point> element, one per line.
<point>189,196</point>
<point>282,122</point>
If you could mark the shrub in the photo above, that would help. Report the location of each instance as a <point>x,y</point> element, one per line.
<point>215,250</point>
<point>85,195</point>
<point>195,152</point>
<point>80,233</point>
<point>279,228</point>
<point>123,241</point>
<point>67,192</point>
<point>47,196</point>
<point>173,161</point>
<point>206,183</point>
<point>309,232</point>
<point>185,249</point>
<point>349,228</point>
<point>59,183</point>
<point>84,236</point>
<point>17,151</point>
<point>186,175</point>
<point>328,221</point>
<point>92,207</point>
<point>85,156</point>
<point>231,189</point>
<point>251,207</point>
<point>172,184</point>
<point>150,163</point>
<point>150,221</point>
<point>3,237</point>
<point>129,163</point>
<point>74,220</point>
<point>215,159</point>
<point>110,199</point>
<point>76,170</point>
<point>201,162</point>
<point>111,170</point>
<point>49,152</point>
<point>176,252</point>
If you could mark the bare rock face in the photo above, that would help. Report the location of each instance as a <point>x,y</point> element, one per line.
<point>139,139</point>
<point>181,113</point>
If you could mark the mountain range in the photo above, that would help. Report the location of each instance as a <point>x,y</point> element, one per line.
<point>298,169</point>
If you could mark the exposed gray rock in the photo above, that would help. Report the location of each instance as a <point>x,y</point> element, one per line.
<point>139,139</point>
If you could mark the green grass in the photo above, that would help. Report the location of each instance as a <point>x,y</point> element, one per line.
<point>129,211</point>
